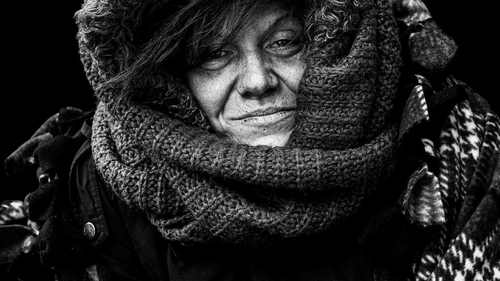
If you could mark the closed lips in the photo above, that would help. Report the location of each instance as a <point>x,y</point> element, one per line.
<point>268,116</point>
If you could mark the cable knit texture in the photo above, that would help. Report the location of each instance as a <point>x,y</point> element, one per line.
<point>196,187</point>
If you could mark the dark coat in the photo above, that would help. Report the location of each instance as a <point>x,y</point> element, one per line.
<point>87,231</point>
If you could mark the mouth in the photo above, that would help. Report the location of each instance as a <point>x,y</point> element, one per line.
<point>267,116</point>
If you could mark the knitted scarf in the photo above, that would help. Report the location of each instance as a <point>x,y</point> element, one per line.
<point>196,187</point>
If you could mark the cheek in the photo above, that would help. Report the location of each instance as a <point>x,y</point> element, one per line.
<point>210,92</point>
<point>291,72</point>
<point>296,75</point>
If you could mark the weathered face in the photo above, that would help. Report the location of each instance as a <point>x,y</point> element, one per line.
<point>248,89</point>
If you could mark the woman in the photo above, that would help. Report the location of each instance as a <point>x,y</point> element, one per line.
<point>257,140</point>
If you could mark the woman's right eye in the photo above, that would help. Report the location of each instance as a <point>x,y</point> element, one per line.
<point>215,59</point>
<point>217,54</point>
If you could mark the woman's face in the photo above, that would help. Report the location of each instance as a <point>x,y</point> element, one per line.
<point>248,90</point>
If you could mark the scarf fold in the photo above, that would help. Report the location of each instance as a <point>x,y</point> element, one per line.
<point>195,187</point>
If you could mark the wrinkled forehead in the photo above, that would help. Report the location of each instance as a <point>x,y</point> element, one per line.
<point>237,16</point>
<point>219,22</point>
<point>258,15</point>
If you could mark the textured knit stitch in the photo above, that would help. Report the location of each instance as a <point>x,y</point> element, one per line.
<point>196,187</point>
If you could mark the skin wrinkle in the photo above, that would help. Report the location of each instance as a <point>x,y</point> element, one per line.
<point>254,73</point>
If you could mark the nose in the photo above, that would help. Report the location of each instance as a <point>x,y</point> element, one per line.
<point>257,76</point>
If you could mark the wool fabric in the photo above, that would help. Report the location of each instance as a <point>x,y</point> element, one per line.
<point>196,187</point>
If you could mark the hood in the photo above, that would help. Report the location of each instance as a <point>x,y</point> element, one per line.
<point>112,35</point>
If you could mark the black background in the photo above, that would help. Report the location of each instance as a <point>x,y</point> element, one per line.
<point>42,71</point>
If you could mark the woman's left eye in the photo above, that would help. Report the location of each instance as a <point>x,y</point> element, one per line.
<point>286,46</point>
<point>282,43</point>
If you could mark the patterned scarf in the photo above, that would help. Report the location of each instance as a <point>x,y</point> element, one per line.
<point>196,187</point>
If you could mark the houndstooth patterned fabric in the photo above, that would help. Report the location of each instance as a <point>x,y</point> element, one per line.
<point>459,206</point>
